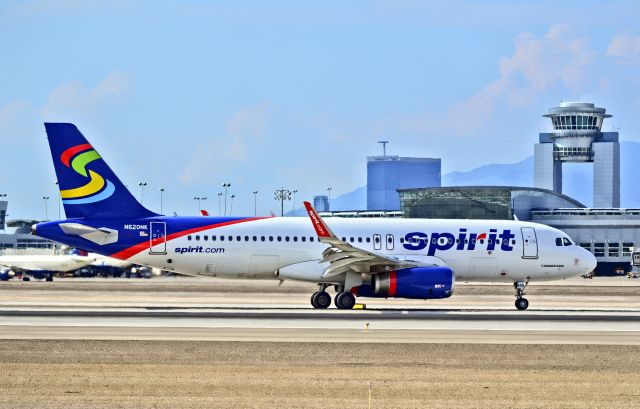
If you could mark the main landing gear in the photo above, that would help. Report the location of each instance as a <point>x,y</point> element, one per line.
<point>321,299</point>
<point>343,300</point>
<point>521,302</point>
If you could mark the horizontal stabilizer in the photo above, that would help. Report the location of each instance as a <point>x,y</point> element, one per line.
<point>101,236</point>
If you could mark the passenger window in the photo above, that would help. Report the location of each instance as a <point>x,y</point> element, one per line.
<point>239,238</point>
<point>230,238</point>
<point>286,238</point>
<point>344,239</point>
<point>368,239</point>
<point>270,238</point>
<point>261,238</point>
<point>213,238</point>
<point>189,238</point>
<point>311,239</point>
<point>246,238</point>
<point>197,238</point>
<point>221,238</point>
<point>558,241</point>
<point>359,239</point>
<point>303,238</point>
<point>255,238</point>
<point>279,238</point>
<point>295,238</point>
<point>206,238</point>
<point>351,239</point>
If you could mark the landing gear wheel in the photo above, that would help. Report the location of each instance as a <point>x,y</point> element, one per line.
<point>321,300</point>
<point>522,304</point>
<point>345,301</point>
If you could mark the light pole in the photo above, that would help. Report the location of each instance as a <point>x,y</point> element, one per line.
<point>59,199</point>
<point>226,186</point>
<point>329,198</point>
<point>219,203</point>
<point>293,204</point>
<point>161,192</point>
<point>46,208</point>
<point>231,208</point>
<point>282,195</point>
<point>255,202</point>
<point>200,199</point>
<point>142,185</point>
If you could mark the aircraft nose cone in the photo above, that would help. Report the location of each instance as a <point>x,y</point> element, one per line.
<point>590,261</point>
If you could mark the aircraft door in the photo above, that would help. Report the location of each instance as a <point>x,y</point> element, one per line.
<point>377,242</point>
<point>529,242</point>
<point>158,238</point>
<point>389,241</point>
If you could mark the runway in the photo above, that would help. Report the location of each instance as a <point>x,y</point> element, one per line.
<point>307,325</point>
<point>204,343</point>
<point>220,310</point>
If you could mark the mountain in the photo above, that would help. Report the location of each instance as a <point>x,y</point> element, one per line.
<point>516,174</point>
<point>577,180</point>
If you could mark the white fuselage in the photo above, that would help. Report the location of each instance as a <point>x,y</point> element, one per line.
<point>288,248</point>
<point>54,263</point>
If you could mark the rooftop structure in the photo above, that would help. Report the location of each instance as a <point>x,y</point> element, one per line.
<point>577,137</point>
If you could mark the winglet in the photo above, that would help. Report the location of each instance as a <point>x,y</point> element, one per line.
<point>323,231</point>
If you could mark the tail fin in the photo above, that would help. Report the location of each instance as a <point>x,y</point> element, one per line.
<point>88,187</point>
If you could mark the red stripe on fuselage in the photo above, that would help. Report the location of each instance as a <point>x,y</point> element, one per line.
<point>393,284</point>
<point>140,247</point>
<point>66,155</point>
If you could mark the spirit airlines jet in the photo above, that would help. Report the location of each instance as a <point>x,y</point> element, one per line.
<point>404,258</point>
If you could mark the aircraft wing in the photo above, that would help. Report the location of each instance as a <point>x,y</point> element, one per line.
<point>343,257</point>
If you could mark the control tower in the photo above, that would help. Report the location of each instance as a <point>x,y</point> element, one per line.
<point>577,137</point>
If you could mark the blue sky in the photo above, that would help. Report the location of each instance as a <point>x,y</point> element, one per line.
<point>188,95</point>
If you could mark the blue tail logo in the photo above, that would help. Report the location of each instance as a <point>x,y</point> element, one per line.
<point>98,189</point>
<point>88,187</point>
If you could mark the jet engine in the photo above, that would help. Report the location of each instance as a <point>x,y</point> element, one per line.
<point>415,282</point>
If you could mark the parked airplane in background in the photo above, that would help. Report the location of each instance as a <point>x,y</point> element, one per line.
<point>405,258</point>
<point>44,266</point>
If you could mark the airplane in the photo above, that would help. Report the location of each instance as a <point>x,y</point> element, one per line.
<point>44,266</point>
<point>384,258</point>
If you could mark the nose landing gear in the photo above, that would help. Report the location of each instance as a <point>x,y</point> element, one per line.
<point>521,302</point>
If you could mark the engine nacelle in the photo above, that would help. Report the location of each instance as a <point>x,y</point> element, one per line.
<point>416,282</point>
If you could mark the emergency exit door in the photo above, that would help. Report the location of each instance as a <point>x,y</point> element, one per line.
<point>529,242</point>
<point>158,238</point>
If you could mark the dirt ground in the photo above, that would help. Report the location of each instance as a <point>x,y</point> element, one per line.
<point>163,374</point>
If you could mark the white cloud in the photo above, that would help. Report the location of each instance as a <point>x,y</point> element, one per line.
<point>73,98</point>
<point>625,48</point>
<point>10,112</point>
<point>243,132</point>
<point>559,58</point>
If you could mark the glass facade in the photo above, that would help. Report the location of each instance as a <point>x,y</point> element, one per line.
<point>452,203</point>
<point>481,202</point>
<point>321,203</point>
<point>387,174</point>
<point>566,122</point>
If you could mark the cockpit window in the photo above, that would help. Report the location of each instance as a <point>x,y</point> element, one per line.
<point>559,241</point>
<point>567,242</point>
